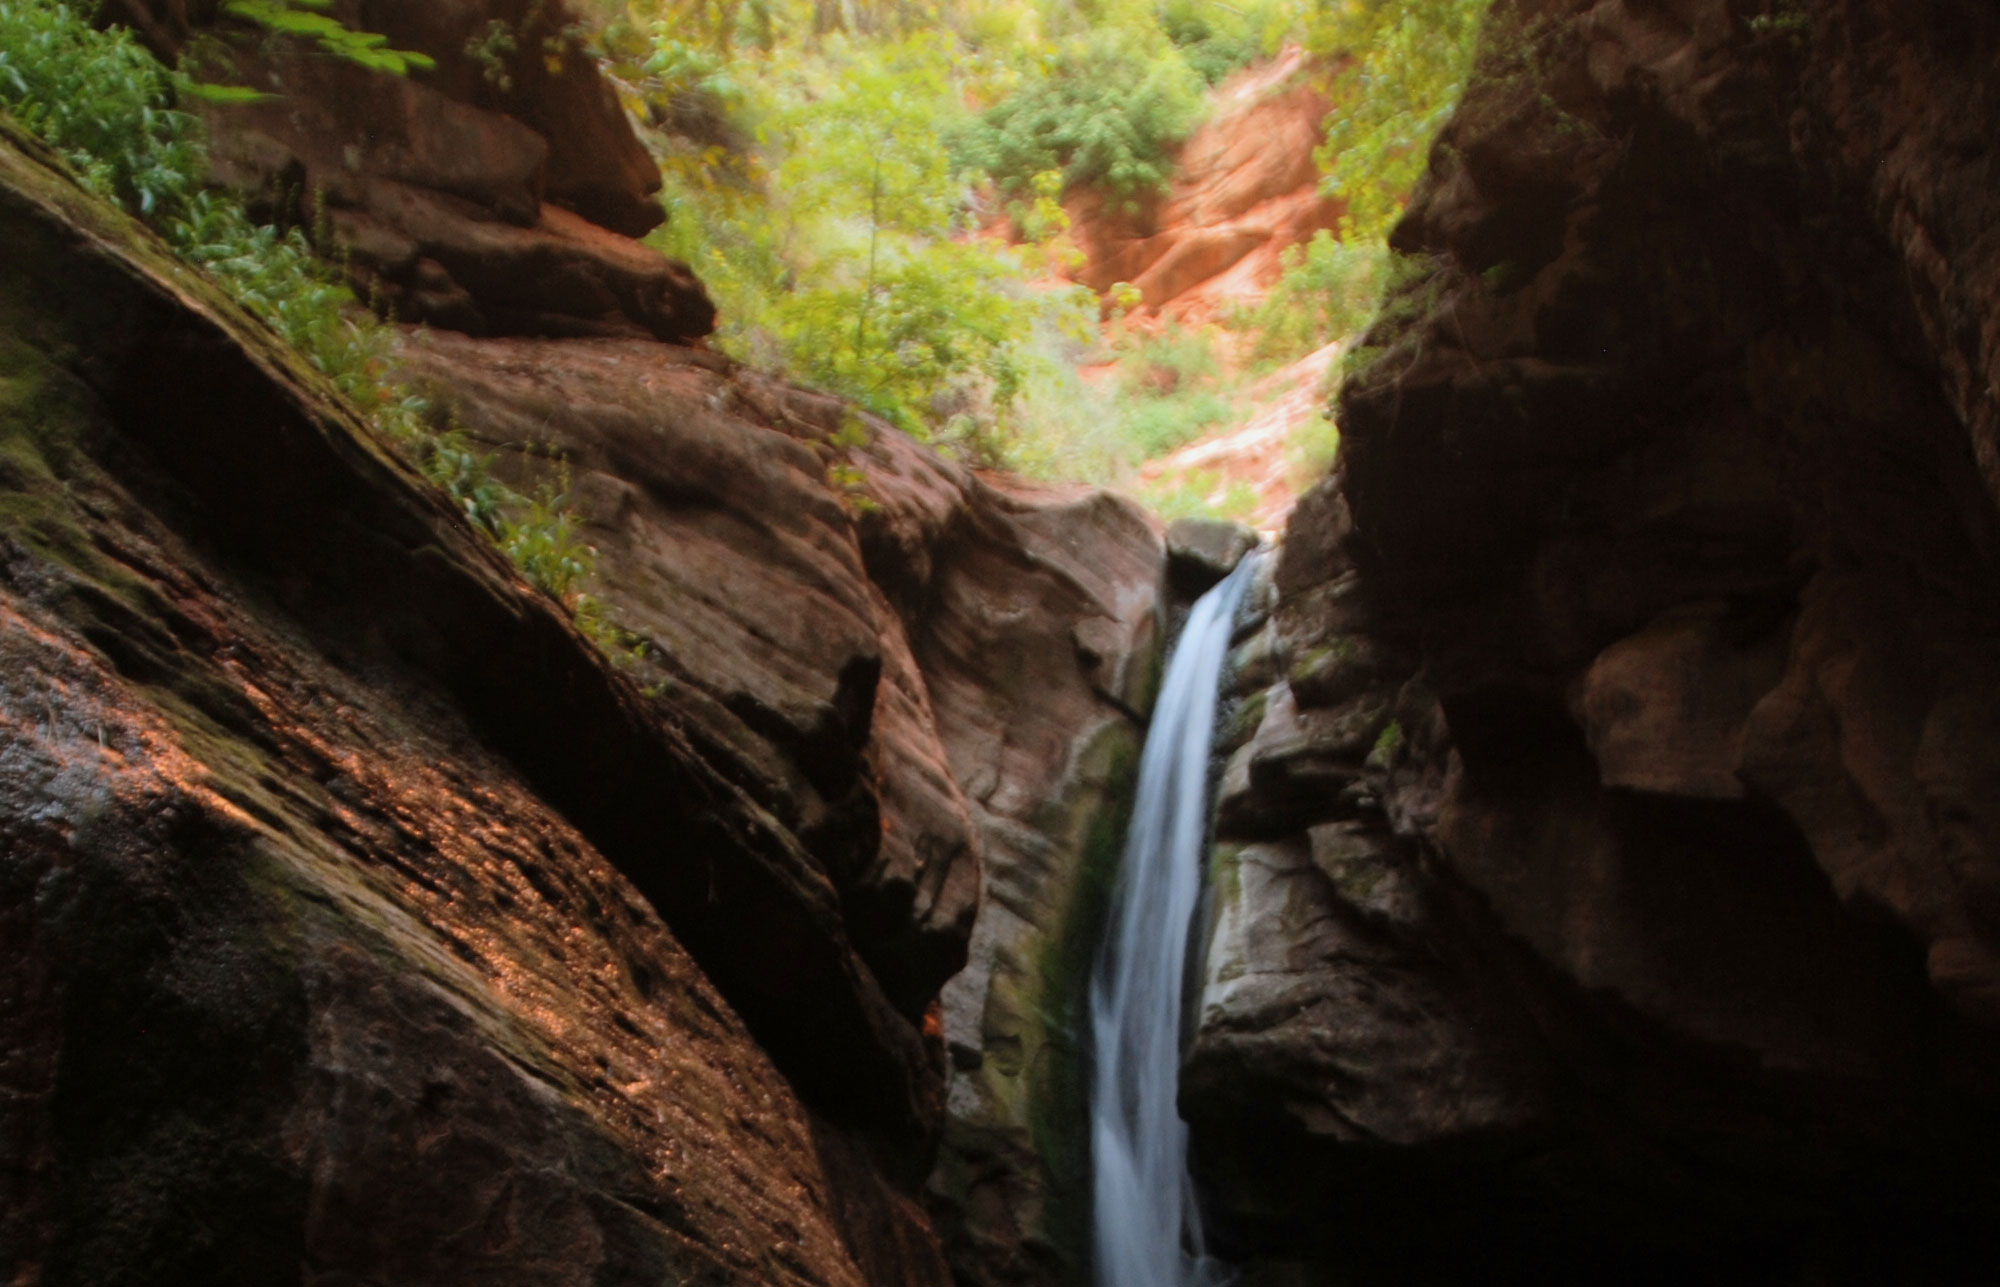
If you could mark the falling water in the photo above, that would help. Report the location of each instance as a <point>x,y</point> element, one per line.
<point>1148,1230</point>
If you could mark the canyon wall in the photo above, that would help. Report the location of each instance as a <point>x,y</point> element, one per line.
<point>325,843</point>
<point>1607,857</point>
<point>935,679</point>
<point>365,915</point>
<point>1605,886</point>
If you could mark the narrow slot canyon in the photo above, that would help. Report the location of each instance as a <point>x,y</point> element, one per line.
<point>613,674</point>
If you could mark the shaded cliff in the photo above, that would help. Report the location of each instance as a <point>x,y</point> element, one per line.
<point>1607,873</point>
<point>325,837</point>
<point>366,917</point>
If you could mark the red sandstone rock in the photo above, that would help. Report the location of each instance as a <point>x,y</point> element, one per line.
<point>1245,188</point>
<point>336,868</point>
<point>491,195</point>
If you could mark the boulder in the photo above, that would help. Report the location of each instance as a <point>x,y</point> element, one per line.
<point>1202,551</point>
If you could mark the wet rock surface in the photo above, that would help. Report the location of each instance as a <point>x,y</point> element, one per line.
<point>1606,1035</point>
<point>1603,867</point>
<point>1033,613</point>
<point>1202,551</point>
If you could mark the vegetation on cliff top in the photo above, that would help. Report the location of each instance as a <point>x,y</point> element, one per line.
<point>874,193</point>
<point>107,107</point>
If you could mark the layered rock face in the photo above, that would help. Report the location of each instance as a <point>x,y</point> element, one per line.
<point>325,840</point>
<point>496,193</point>
<point>1043,729</point>
<point>887,668</point>
<point>365,917</point>
<point>924,669</point>
<point>1608,865</point>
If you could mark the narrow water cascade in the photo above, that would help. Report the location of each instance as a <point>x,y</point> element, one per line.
<point>1147,1227</point>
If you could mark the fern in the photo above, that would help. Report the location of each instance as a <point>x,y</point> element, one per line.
<point>307,20</point>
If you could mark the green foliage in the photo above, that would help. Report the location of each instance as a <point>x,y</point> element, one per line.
<point>1171,392</point>
<point>836,251</point>
<point>1216,39</point>
<point>102,102</point>
<point>105,106</point>
<point>1159,392</point>
<point>1154,427</point>
<point>1785,20</point>
<point>490,48</point>
<point>905,341</point>
<point>1108,114</point>
<point>1388,747</point>
<point>1328,290</point>
<point>307,20</point>
<point>830,167</point>
<point>1402,65</point>
<point>1200,493</point>
<point>542,539</point>
<point>1310,451</point>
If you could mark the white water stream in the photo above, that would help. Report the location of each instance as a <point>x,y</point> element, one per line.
<point>1148,1231</point>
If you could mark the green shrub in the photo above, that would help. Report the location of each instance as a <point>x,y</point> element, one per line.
<point>1216,39</point>
<point>303,20</point>
<point>1163,391</point>
<point>835,250</point>
<point>1310,451</point>
<point>1200,493</point>
<point>1328,290</point>
<point>902,343</point>
<point>1156,426</point>
<point>1169,360</point>
<point>542,539</point>
<point>1108,114</point>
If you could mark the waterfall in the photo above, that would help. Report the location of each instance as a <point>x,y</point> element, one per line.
<point>1148,1231</point>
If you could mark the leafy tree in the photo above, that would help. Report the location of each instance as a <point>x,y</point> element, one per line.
<point>829,180</point>
<point>1109,113</point>
<point>923,339</point>
<point>1329,289</point>
<point>1402,65</point>
<point>837,250</point>
<point>1216,39</point>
